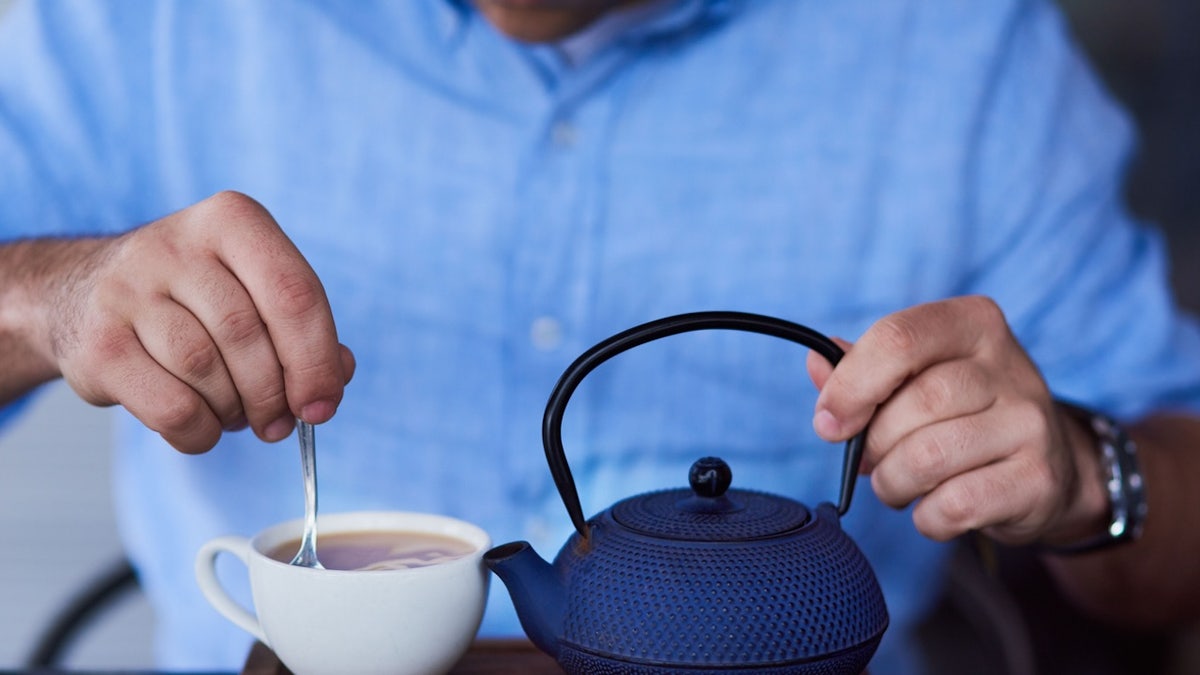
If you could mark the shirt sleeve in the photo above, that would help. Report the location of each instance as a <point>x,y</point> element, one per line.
<point>1084,285</point>
<point>74,113</point>
<point>72,120</point>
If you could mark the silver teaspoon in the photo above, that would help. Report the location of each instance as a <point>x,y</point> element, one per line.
<point>307,555</point>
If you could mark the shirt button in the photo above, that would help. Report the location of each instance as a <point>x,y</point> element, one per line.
<point>545,333</point>
<point>564,134</point>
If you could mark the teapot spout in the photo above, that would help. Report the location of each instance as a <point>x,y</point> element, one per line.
<point>537,592</point>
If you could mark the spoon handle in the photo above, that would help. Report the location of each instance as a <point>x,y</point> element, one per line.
<point>307,555</point>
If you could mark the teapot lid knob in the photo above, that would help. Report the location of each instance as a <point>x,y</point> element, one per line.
<point>710,477</point>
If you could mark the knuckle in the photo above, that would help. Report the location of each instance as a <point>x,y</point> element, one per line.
<point>319,373</point>
<point>897,333</point>
<point>224,207</point>
<point>265,401</point>
<point>297,294</point>
<point>178,416</point>
<point>928,461</point>
<point>315,382</point>
<point>985,311</point>
<point>234,203</point>
<point>198,360</point>
<point>957,508</point>
<point>108,343</point>
<point>884,485</point>
<point>238,328</point>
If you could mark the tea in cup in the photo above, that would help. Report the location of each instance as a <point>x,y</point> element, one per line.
<point>401,593</point>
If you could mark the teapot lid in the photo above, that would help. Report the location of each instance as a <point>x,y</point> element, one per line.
<point>709,511</point>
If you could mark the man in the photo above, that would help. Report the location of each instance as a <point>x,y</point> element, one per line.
<point>469,196</point>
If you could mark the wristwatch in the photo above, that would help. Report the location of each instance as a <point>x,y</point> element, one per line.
<point>1122,480</point>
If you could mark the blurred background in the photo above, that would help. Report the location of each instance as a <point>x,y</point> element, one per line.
<point>1149,55</point>
<point>55,516</point>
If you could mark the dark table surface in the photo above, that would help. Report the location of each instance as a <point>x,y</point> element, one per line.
<point>486,657</point>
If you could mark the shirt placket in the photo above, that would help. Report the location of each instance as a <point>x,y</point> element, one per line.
<point>556,228</point>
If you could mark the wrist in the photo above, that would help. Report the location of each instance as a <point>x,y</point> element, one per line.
<point>1087,508</point>
<point>1108,503</point>
<point>37,281</point>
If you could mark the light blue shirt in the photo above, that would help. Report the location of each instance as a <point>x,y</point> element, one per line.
<point>481,212</point>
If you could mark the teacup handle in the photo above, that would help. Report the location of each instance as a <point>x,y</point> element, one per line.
<point>210,585</point>
<point>653,330</point>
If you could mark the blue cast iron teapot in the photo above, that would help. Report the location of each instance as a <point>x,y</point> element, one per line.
<point>704,579</point>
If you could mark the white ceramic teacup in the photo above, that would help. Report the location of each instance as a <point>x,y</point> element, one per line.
<point>332,622</point>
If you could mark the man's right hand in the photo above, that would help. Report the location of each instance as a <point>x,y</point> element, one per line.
<point>207,320</point>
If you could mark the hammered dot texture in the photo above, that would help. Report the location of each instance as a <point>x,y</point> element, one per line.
<point>798,597</point>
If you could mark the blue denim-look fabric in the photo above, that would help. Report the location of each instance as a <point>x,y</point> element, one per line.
<point>481,212</point>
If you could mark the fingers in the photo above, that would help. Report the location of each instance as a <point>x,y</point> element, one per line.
<point>177,341</point>
<point>938,452</point>
<point>893,350</point>
<point>125,373</point>
<point>962,422</point>
<point>944,391</point>
<point>235,330</point>
<point>292,305</point>
<point>210,318</point>
<point>976,471</point>
<point>1003,499</point>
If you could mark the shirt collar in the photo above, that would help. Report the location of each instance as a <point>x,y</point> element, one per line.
<point>657,18</point>
<point>618,24</point>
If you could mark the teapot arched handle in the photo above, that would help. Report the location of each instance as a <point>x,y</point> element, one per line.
<point>665,327</point>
